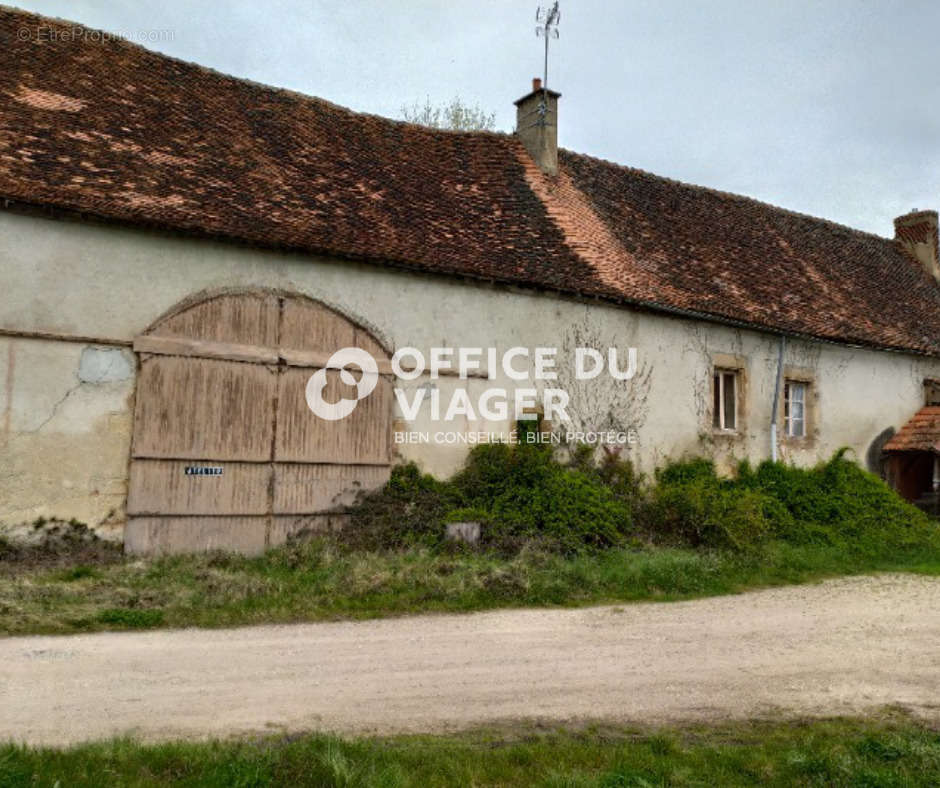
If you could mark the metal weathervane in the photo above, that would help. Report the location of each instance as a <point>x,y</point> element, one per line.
<point>548,20</point>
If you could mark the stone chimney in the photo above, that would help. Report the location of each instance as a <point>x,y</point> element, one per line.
<point>537,126</point>
<point>916,235</point>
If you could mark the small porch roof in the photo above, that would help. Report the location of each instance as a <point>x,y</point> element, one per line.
<point>921,433</point>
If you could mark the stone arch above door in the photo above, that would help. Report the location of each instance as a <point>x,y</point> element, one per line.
<point>226,454</point>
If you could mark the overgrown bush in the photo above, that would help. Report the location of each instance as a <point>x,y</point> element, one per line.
<point>839,504</point>
<point>690,505</point>
<point>567,511</point>
<point>520,493</point>
<point>615,472</point>
<point>523,496</point>
<point>835,504</point>
<point>409,510</point>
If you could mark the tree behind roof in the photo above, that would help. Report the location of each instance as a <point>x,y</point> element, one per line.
<point>454,115</point>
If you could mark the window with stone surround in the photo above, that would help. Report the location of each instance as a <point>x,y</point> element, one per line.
<point>795,401</point>
<point>725,392</point>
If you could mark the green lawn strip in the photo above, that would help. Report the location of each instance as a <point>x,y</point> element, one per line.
<point>890,751</point>
<point>324,581</point>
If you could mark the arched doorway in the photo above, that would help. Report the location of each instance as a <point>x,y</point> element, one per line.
<point>226,454</point>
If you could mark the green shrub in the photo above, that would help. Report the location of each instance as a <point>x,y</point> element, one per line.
<point>530,498</point>
<point>495,469</point>
<point>685,471</point>
<point>567,512</point>
<point>839,504</point>
<point>616,473</point>
<point>467,514</point>
<point>836,504</point>
<point>520,493</point>
<point>409,510</point>
<point>690,505</point>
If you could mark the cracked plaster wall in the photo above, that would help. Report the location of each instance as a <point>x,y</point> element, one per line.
<point>66,427</point>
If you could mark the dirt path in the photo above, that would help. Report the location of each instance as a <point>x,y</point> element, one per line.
<point>843,646</point>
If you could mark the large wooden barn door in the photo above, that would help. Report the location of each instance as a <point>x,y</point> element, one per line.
<point>226,454</point>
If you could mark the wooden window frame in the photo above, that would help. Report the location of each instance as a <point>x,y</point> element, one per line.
<point>806,377</point>
<point>789,386</point>
<point>720,375</point>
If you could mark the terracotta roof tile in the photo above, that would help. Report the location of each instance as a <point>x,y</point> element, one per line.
<point>921,433</point>
<point>109,129</point>
<point>745,260</point>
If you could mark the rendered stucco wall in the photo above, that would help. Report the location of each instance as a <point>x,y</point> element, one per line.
<point>66,406</point>
<point>66,430</point>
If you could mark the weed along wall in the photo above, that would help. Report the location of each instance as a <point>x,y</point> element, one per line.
<point>71,380</point>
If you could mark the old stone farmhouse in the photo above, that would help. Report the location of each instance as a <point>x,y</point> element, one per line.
<point>180,250</point>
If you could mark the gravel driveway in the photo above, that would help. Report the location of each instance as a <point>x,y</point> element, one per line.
<point>843,646</point>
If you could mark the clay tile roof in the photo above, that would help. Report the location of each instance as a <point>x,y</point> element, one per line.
<point>113,131</point>
<point>921,433</point>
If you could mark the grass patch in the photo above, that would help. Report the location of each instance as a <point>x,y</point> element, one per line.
<point>80,572</point>
<point>895,751</point>
<point>323,580</point>
<point>123,618</point>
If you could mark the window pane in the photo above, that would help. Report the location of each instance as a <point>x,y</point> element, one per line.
<point>716,405</point>
<point>794,409</point>
<point>798,428</point>
<point>729,402</point>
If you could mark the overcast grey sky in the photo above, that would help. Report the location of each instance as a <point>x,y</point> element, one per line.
<point>830,107</point>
